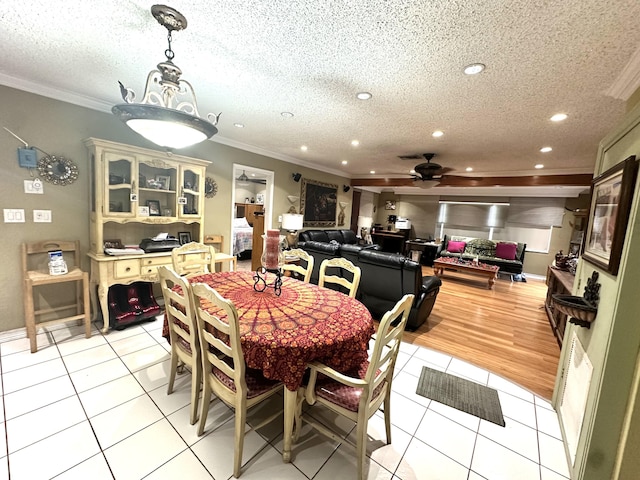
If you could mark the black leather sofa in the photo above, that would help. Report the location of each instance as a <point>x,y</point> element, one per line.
<point>386,278</point>
<point>340,236</point>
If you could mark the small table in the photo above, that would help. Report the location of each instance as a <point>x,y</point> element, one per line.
<point>427,250</point>
<point>489,271</point>
<point>280,335</point>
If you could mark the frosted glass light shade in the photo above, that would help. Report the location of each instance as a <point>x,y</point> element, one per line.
<point>166,127</point>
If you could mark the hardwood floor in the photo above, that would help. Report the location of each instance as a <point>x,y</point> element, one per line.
<point>504,330</point>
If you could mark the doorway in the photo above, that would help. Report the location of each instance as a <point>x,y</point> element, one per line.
<point>252,191</point>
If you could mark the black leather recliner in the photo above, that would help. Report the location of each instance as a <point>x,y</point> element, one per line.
<point>386,277</point>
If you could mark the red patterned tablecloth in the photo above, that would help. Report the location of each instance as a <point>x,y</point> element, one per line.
<point>280,335</point>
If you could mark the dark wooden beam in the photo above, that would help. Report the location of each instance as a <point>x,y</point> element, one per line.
<point>457,181</point>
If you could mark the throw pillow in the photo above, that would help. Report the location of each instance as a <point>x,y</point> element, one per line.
<point>456,247</point>
<point>506,251</point>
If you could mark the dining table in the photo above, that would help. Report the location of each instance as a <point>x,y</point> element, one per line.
<point>281,334</point>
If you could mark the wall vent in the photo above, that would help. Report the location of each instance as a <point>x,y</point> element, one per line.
<point>574,394</point>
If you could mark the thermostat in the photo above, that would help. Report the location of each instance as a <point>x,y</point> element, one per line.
<point>27,157</point>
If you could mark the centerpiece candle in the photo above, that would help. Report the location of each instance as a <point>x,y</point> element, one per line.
<point>272,249</point>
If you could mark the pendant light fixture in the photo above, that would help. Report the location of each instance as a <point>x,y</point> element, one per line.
<point>168,114</point>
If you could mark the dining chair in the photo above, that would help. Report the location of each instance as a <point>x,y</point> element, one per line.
<point>358,394</point>
<point>225,372</point>
<point>303,256</point>
<point>193,258</point>
<point>344,264</point>
<point>183,333</point>
<point>34,256</point>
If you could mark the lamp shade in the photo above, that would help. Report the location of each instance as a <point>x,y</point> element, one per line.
<point>292,221</point>
<point>365,222</point>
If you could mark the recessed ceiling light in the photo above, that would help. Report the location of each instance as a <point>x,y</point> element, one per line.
<point>239,125</point>
<point>558,117</point>
<point>355,143</point>
<point>304,148</point>
<point>546,149</point>
<point>287,114</point>
<point>539,166</point>
<point>372,171</point>
<point>253,174</point>
<point>437,133</point>
<point>469,169</point>
<point>344,162</point>
<point>473,69</point>
<point>363,95</point>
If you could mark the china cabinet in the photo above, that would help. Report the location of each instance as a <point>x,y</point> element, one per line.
<point>138,193</point>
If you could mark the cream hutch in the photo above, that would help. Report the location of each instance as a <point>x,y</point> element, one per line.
<point>137,193</point>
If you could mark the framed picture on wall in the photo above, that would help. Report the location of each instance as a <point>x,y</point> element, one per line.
<point>390,205</point>
<point>611,195</point>
<point>319,203</point>
<point>260,198</point>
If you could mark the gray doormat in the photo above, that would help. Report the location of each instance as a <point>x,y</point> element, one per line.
<point>456,392</point>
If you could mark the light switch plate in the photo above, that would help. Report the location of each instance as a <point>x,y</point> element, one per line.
<point>13,215</point>
<point>42,216</point>
<point>33,186</point>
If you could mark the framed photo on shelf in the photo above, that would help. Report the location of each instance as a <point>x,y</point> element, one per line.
<point>164,182</point>
<point>154,207</point>
<point>611,195</point>
<point>184,237</point>
<point>143,211</point>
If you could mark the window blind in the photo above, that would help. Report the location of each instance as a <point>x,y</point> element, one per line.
<point>536,212</point>
<point>469,214</point>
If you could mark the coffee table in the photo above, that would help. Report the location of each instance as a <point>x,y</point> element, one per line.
<point>482,269</point>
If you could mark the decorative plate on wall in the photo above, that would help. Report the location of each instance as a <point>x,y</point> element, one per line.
<point>210,187</point>
<point>57,170</point>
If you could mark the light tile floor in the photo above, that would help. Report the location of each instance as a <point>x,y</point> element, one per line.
<point>97,408</point>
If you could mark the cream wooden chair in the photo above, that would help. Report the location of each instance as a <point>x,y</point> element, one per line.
<point>345,264</point>
<point>35,273</point>
<point>183,333</point>
<point>358,395</point>
<point>304,256</point>
<point>193,258</point>
<point>225,373</point>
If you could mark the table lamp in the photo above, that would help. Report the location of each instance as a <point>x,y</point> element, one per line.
<point>364,227</point>
<point>292,222</point>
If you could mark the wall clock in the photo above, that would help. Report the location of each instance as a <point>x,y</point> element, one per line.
<point>210,187</point>
<point>57,170</point>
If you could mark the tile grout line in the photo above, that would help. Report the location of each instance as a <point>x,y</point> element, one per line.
<point>4,413</point>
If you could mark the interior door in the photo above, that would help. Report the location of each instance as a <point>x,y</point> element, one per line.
<point>355,211</point>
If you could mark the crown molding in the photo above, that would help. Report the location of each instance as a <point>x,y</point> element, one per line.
<point>102,106</point>
<point>628,81</point>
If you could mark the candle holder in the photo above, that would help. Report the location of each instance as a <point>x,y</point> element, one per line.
<point>272,260</point>
<point>260,280</point>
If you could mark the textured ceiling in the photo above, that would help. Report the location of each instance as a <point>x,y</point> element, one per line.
<point>252,60</point>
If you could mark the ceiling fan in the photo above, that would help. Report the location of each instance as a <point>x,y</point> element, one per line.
<point>244,180</point>
<point>428,174</point>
